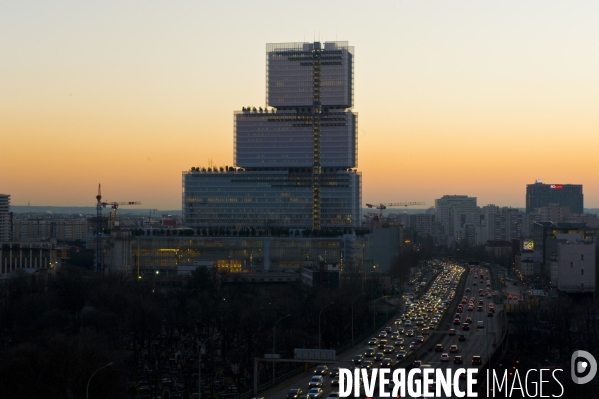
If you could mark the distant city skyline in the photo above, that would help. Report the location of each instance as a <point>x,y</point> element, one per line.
<point>477,99</point>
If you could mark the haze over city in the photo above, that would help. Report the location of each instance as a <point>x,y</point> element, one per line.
<point>468,98</point>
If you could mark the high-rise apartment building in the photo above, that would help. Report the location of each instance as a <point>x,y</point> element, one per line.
<point>453,213</point>
<point>5,218</point>
<point>295,159</point>
<point>539,194</point>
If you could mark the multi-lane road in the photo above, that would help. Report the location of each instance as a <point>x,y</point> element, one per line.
<point>479,341</point>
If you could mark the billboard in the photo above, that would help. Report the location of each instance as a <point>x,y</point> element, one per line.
<point>528,244</point>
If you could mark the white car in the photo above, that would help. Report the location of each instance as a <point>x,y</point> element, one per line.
<point>444,357</point>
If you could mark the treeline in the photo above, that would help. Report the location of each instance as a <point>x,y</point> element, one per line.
<point>57,331</point>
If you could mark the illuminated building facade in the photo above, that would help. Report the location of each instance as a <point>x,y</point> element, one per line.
<point>273,183</point>
<point>232,254</point>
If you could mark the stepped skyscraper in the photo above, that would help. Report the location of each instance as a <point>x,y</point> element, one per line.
<point>295,158</point>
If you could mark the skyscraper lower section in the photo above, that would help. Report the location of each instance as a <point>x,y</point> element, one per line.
<point>269,198</point>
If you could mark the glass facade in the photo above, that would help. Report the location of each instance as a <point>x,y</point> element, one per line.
<point>539,194</point>
<point>234,254</point>
<point>285,139</point>
<point>269,198</point>
<point>297,159</point>
<point>289,74</point>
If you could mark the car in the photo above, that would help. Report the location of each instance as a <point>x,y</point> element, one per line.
<point>467,289</point>
<point>333,395</point>
<point>468,320</point>
<point>358,359</point>
<point>382,343</point>
<point>294,393</point>
<point>474,283</point>
<point>399,343</point>
<point>410,333</point>
<point>367,364</point>
<point>444,357</point>
<point>373,341</point>
<point>477,360</point>
<point>462,337</point>
<point>321,370</point>
<point>315,393</point>
<point>456,321</point>
<point>335,380</point>
<point>489,314</point>
<point>388,349</point>
<point>334,371</point>
<point>316,381</point>
<point>369,352</point>
<point>416,363</point>
<point>378,357</point>
<point>388,329</point>
<point>470,307</point>
<point>458,360</point>
<point>386,362</point>
<point>401,354</point>
<point>452,331</point>
<point>480,308</point>
<point>407,323</point>
<point>439,348</point>
<point>453,349</point>
<point>394,335</point>
<point>420,339</point>
<point>401,330</point>
<point>383,334</point>
<point>414,345</point>
<point>426,330</point>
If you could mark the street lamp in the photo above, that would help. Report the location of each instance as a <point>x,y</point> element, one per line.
<point>200,363</point>
<point>352,318</point>
<point>319,314</point>
<point>273,346</point>
<point>90,378</point>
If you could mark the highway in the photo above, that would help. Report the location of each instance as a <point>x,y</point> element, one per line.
<point>478,341</point>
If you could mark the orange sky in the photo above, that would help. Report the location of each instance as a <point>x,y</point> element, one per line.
<point>468,98</point>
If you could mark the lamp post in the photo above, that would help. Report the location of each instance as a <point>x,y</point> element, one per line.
<point>200,363</point>
<point>352,318</point>
<point>90,378</point>
<point>273,346</point>
<point>319,314</point>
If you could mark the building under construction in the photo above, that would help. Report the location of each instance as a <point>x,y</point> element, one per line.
<point>296,158</point>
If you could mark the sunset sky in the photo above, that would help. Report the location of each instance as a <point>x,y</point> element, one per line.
<point>454,97</point>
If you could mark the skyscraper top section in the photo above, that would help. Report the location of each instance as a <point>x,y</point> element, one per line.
<point>290,74</point>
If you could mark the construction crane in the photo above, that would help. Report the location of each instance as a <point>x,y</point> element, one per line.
<point>380,207</point>
<point>99,206</point>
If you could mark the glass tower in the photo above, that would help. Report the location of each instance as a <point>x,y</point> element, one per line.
<point>295,161</point>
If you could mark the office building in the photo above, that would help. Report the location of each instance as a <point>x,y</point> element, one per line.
<point>539,195</point>
<point>5,218</point>
<point>295,159</point>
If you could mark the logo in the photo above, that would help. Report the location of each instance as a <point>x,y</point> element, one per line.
<point>580,367</point>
